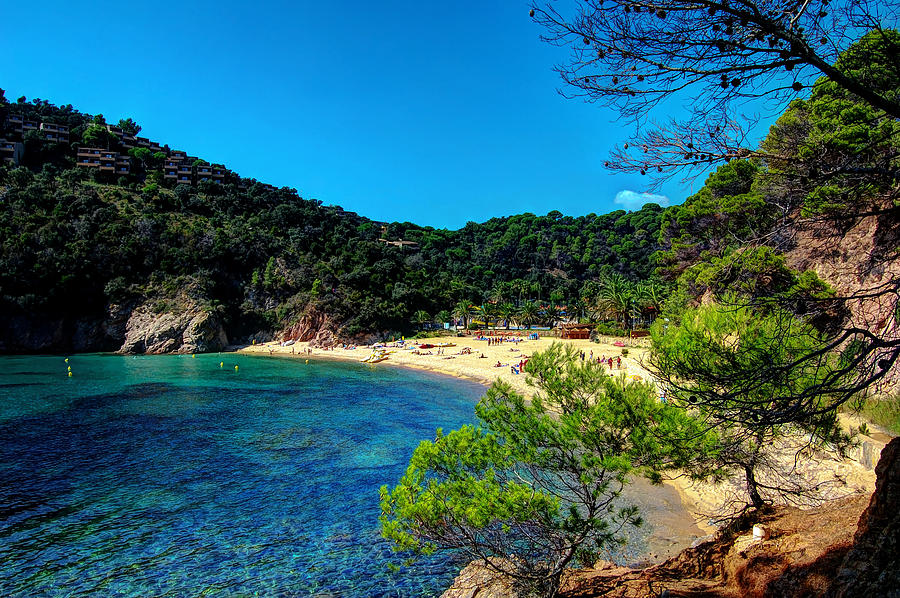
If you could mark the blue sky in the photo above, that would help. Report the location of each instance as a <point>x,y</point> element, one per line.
<point>435,113</point>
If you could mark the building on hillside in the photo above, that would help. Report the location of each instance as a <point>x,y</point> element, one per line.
<point>14,124</point>
<point>11,152</point>
<point>95,157</point>
<point>55,133</point>
<point>123,164</point>
<point>88,156</point>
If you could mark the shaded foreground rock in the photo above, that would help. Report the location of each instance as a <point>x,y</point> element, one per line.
<point>844,548</point>
<point>872,566</point>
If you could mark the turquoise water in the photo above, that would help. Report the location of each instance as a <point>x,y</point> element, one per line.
<point>173,476</point>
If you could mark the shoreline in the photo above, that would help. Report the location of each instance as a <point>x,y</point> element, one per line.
<point>699,500</point>
<point>467,367</point>
<point>676,529</point>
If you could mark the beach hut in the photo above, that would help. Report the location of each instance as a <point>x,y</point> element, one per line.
<point>575,330</point>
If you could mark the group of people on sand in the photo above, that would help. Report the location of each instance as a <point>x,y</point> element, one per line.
<point>496,340</point>
<point>610,362</point>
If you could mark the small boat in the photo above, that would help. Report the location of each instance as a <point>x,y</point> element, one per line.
<point>375,357</point>
<point>288,343</point>
<point>426,346</point>
<point>445,345</point>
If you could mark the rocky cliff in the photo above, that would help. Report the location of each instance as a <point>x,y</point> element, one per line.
<point>192,330</point>
<point>861,261</point>
<point>123,328</point>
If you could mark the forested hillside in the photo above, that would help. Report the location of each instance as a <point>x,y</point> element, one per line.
<point>76,241</point>
<point>82,249</point>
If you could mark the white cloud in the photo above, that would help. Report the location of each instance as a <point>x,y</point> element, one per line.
<point>632,200</point>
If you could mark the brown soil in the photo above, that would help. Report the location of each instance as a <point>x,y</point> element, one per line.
<point>800,557</point>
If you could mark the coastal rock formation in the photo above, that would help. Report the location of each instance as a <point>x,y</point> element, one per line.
<point>862,260</point>
<point>872,566</point>
<point>43,333</point>
<point>477,581</point>
<point>190,331</point>
<point>314,327</point>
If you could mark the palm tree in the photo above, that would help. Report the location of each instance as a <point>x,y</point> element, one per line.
<point>506,311</point>
<point>421,318</point>
<point>617,297</point>
<point>520,286</point>
<point>650,296</point>
<point>551,315</point>
<point>442,316</point>
<point>528,313</point>
<point>463,310</point>
<point>487,313</point>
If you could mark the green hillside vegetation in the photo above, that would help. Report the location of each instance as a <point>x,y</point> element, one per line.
<point>76,239</point>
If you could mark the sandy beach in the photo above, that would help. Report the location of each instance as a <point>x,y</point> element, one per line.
<point>456,361</point>
<point>465,360</point>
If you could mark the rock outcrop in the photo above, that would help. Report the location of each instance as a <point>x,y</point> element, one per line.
<point>193,330</point>
<point>314,327</point>
<point>872,566</point>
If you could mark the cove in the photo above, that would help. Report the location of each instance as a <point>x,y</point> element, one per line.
<point>178,475</point>
<point>171,475</point>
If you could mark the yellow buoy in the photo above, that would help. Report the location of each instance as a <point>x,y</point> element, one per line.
<point>235,368</point>
<point>221,364</point>
<point>70,374</point>
<point>193,356</point>
<point>67,360</point>
<point>307,361</point>
<point>69,368</point>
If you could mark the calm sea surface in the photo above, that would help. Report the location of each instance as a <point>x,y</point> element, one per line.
<point>173,476</point>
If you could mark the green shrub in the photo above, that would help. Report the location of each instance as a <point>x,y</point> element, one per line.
<point>884,412</point>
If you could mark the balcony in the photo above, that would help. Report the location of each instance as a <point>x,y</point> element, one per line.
<point>89,151</point>
<point>15,118</point>
<point>30,125</point>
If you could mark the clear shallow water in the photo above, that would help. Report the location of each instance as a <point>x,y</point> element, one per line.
<point>171,476</point>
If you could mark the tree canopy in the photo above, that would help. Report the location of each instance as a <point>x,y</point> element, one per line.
<point>533,489</point>
<point>717,58</point>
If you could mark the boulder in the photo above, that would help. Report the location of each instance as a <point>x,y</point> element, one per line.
<point>191,331</point>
